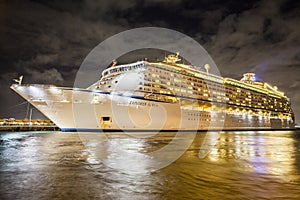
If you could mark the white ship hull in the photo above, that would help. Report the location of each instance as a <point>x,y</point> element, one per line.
<point>83,109</point>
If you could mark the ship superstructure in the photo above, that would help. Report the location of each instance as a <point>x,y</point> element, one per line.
<point>165,95</point>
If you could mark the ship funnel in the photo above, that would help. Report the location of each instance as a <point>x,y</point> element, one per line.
<point>172,58</point>
<point>248,77</point>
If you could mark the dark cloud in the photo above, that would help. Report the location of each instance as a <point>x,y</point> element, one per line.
<point>50,39</point>
<point>255,36</point>
<point>51,76</point>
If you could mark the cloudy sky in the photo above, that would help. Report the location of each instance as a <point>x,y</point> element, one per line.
<point>46,41</point>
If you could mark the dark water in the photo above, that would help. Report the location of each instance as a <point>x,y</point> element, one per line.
<point>226,165</point>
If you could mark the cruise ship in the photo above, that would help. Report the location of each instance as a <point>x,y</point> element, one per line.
<point>162,96</point>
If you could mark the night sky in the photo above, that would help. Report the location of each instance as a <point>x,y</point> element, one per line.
<point>47,40</point>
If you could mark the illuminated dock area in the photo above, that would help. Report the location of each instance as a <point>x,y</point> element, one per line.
<point>12,124</point>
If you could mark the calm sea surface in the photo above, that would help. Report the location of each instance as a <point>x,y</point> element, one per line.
<point>225,165</point>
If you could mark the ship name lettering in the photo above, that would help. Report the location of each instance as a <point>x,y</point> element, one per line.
<point>137,103</point>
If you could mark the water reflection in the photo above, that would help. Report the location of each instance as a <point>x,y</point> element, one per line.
<point>136,154</point>
<point>262,152</point>
<point>214,166</point>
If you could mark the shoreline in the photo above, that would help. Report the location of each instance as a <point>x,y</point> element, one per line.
<point>28,128</point>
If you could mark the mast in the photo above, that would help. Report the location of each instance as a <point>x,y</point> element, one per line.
<point>30,115</point>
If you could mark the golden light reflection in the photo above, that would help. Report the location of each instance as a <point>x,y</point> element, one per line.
<point>259,151</point>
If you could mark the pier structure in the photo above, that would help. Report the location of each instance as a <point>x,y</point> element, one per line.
<point>13,124</point>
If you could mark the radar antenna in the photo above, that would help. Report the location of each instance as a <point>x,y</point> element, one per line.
<point>114,62</point>
<point>207,68</point>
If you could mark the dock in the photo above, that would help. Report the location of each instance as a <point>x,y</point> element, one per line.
<point>27,125</point>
